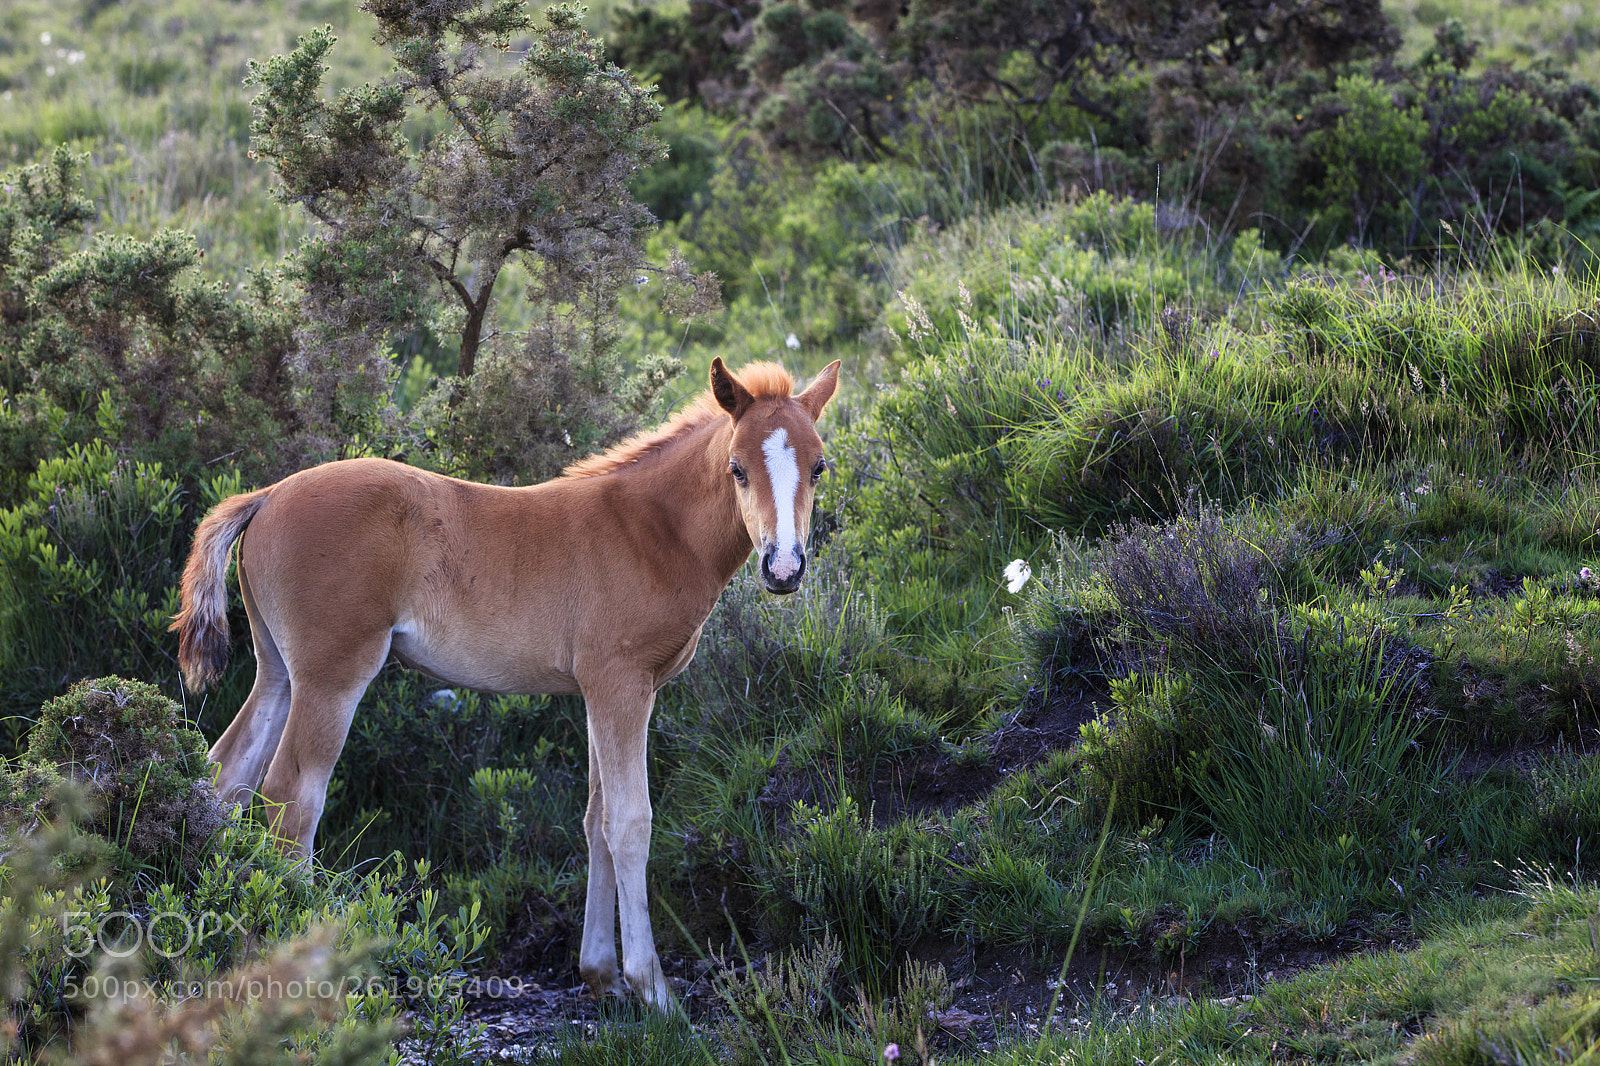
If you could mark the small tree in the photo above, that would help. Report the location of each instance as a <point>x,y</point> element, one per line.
<point>532,165</point>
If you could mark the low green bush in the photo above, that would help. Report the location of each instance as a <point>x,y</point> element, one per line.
<point>143,775</point>
<point>90,561</point>
<point>199,910</point>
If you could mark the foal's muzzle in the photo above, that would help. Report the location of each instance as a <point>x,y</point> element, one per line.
<point>781,573</point>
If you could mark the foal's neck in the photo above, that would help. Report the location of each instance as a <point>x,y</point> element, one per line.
<point>691,485</point>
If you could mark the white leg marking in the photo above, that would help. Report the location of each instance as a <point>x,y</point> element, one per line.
<point>784,475</point>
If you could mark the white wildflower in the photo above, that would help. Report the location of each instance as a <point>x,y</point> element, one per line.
<point>566,437</point>
<point>791,342</point>
<point>1017,574</point>
<point>44,38</point>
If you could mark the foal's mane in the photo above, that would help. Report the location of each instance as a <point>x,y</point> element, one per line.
<point>763,380</point>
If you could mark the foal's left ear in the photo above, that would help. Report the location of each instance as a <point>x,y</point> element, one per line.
<point>815,398</point>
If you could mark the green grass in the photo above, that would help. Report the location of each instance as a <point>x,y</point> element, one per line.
<point>1513,33</point>
<point>154,91</point>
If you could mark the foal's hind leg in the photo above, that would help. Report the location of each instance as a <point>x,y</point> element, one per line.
<point>246,746</point>
<point>324,691</point>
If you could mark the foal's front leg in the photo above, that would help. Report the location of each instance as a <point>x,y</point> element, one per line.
<point>619,717</point>
<point>597,960</point>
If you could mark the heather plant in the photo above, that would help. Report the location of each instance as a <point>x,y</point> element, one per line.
<point>1196,590</point>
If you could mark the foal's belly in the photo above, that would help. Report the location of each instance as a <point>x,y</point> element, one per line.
<point>487,665</point>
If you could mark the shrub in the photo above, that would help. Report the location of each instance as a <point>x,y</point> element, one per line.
<point>1197,591</point>
<point>142,771</point>
<point>90,562</point>
<point>200,898</point>
<point>120,341</point>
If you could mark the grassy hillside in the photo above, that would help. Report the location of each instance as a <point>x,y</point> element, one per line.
<point>1197,660</point>
<point>1511,33</point>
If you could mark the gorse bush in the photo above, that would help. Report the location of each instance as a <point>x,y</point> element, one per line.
<point>119,338</point>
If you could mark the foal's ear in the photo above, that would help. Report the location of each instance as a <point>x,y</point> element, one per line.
<point>815,398</point>
<point>734,397</point>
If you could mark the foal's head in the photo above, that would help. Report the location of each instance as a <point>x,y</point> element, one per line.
<point>775,461</point>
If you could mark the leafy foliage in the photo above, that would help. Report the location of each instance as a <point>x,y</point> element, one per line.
<point>121,341</point>
<point>90,560</point>
<point>532,169</point>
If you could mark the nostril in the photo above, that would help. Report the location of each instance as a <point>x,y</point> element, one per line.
<point>782,568</point>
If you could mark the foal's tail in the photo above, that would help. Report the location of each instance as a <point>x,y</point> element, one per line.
<point>202,624</point>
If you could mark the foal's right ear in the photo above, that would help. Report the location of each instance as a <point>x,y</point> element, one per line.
<point>734,397</point>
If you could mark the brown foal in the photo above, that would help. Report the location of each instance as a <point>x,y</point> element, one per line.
<point>595,583</point>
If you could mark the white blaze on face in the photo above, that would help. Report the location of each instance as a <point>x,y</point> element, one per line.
<point>783,473</point>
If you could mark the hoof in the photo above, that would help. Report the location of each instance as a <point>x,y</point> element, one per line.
<point>652,987</point>
<point>603,983</point>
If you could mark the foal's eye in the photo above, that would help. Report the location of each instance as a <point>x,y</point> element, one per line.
<point>820,469</point>
<point>737,471</point>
